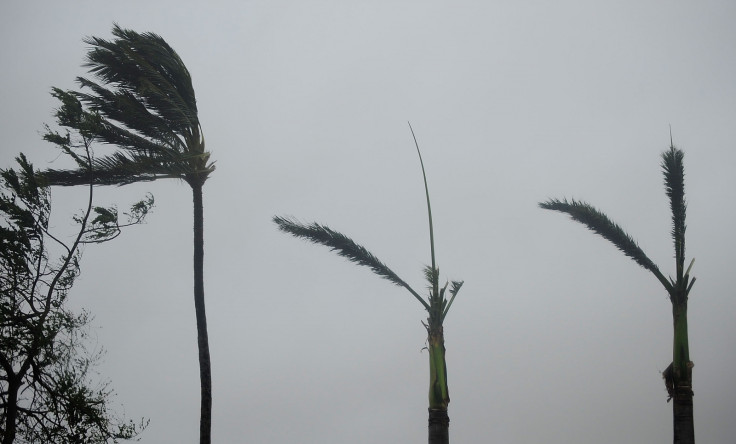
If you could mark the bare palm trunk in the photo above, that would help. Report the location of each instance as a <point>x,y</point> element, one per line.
<point>205,372</point>
<point>682,415</point>
<point>439,426</point>
<point>682,377</point>
<point>439,421</point>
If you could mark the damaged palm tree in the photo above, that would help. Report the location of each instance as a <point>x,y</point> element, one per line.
<point>678,375</point>
<point>437,304</point>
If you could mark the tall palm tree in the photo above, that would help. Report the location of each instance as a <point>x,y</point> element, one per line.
<point>436,304</point>
<point>678,375</point>
<point>142,101</point>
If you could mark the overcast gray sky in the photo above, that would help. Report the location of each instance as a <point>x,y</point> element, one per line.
<point>556,337</point>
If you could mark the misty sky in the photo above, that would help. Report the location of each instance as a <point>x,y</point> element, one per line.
<point>556,337</point>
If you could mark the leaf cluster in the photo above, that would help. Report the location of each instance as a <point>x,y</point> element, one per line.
<point>47,393</point>
<point>674,182</point>
<point>140,99</point>
<point>437,305</point>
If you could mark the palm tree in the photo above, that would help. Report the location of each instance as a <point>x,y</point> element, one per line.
<point>437,304</point>
<point>678,375</point>
<point>143,103</point>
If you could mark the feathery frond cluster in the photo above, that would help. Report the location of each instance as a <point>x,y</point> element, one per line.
<point>345,247</point>
<point>437,305</point>
<point>141,101</point>
<point>149,80</point>
<point>600,223</point>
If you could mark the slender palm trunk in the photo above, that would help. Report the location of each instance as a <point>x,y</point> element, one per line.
<point>439,426</point>
<point>439,421</point>
<point>205,372</point>
<point>682,379</point>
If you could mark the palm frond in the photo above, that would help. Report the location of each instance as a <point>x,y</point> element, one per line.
<point>674,182</point>
<point>432,275</point>
<point>429,207</point>
<point>453,292</point>
<point>128,110</point>
<point>600,224</point>
<point>117,169</point>
<point>145,66</point>
<point>345,247</point>
<point>93,124</point>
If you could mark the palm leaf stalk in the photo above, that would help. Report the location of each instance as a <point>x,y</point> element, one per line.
<point>141,101</point>
<point>437,304</point>
<point>678,375</point>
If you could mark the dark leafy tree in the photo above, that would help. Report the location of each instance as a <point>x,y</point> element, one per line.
<point>47,390</point>
<point>437,303</point>
<point>678,375</point>
<point>142,102</point>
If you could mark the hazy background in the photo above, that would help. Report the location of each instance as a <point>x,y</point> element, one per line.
<point>556,337</point>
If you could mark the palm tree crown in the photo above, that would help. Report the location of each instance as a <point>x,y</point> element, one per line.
<point>142,102</point>
<point>674,181</point>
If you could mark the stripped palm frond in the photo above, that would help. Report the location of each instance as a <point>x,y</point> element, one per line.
<point>433,276</point>
<point>345,247</point>
<point>453,292</point>
<point>600,224</point>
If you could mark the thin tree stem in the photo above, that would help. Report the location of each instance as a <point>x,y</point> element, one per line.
<point>205,372</point>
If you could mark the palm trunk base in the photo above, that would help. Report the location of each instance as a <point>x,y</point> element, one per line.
<point>439,427</point>
<point>681,395</point>
<point>682,416</point>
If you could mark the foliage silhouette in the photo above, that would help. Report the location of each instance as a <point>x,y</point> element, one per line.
<point>47,392</point>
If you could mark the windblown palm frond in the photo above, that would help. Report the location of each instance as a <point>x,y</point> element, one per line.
<point>600,224</point>
<point>147,70</point>
<point>118,169</point>
<point>345,247</point>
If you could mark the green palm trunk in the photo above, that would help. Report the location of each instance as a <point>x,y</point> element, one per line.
<point>439,421</point>
<point>438,393</point>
